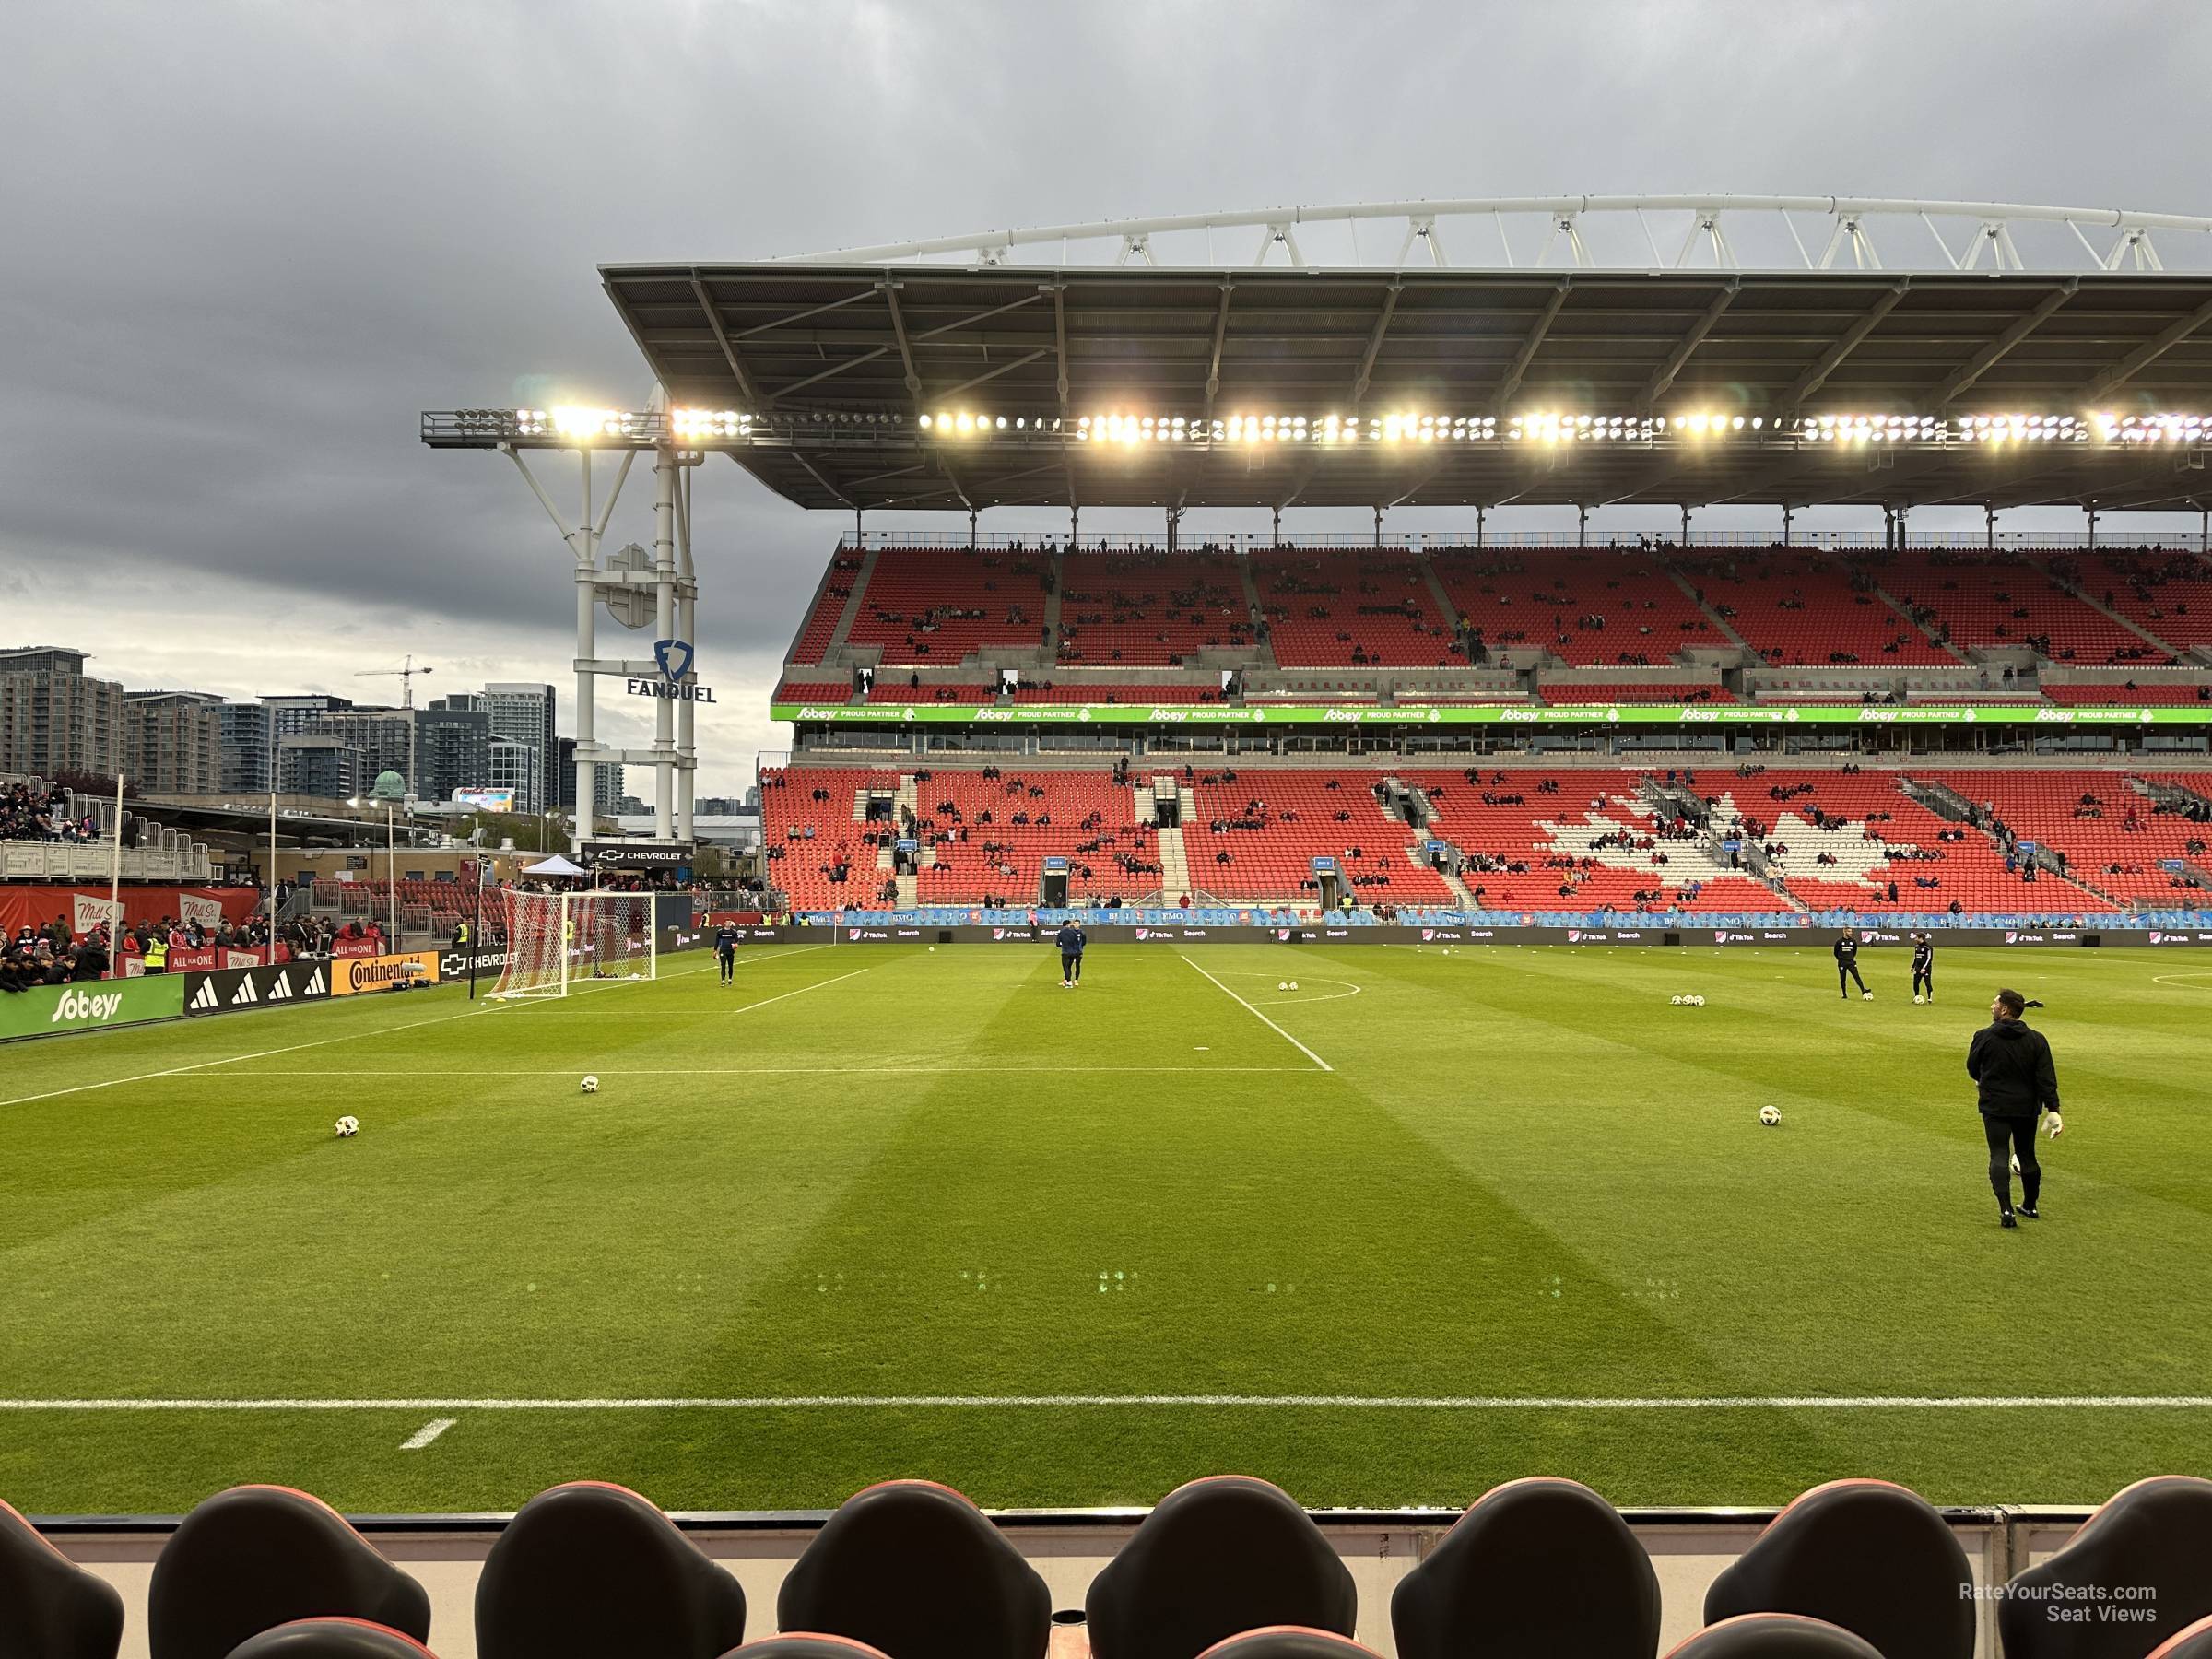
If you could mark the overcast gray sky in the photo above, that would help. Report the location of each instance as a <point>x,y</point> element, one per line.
<point>242,245</point>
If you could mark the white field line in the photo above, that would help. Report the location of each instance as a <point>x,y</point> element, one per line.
<point>1263,1019</point>
<point>490,1008</point>
<point>426,1434</point>
<point>802,990</point>
<point>1471,1403</point>
<point>797,1071</point>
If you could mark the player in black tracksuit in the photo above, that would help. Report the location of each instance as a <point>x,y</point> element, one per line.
<point>1071,942</point>
<point>726,950</point>
<point>1847,964</point>
<point>2011,1068</point>
<point>1923,966</point>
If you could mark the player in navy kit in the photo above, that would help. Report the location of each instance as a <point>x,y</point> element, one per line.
<point>726,950</point>
<point>1071,940</point>
<point>1847,965</point>
<point>1924,967</point>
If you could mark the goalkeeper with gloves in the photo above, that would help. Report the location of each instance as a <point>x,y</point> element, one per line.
<point>2010,1064</point>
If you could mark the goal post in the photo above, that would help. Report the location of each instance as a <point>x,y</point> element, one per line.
<point>556,939</point>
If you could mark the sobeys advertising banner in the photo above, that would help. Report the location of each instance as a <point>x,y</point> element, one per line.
<point>47,1010</point>
<point>1579,715</point>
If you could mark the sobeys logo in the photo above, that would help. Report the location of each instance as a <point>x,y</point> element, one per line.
<point>82,1007</point>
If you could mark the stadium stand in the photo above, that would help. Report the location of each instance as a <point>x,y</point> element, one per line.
<point>1255,835</point>
<point>2166,593</point>
<point>1988,602</point>
<point>985,833</point>
<point>2100,694</point>
<point>820,627</point>
<point>1689,691</point>
<point>1150,607</point>
<point>815,691</point>
<point>49,1604</point>
<point>1337,607</point>
<point>1792,606</point>
<point>936,604</point>
<point>896,690</point>
<point>2113,837</point>
<point>1060,692</point>
<point>2154,1536</point>
<point>816,835</point>
<point>1590,609</point>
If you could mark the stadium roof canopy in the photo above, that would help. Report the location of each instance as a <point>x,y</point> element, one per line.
<point>940,374</point>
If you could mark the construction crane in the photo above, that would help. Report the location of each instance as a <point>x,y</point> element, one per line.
<point>406,673</point>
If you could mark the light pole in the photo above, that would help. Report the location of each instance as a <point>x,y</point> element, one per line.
<point>391,789</point>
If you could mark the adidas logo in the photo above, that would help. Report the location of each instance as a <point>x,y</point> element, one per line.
<point>204,998</point>
<point>244,995</point>
<point>315,987</point>
<point>281,991</point>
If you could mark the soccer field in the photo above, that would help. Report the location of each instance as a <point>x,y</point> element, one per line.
<point>1427,1222</point>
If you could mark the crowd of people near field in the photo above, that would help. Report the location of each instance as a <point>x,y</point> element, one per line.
<point>40,814</point>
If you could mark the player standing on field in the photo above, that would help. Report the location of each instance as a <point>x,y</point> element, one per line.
<point>1923,966</point>
<point>2011,1068</point>
<point>1847,963</point>
<point>726,950</point>
<point>1071,941</point>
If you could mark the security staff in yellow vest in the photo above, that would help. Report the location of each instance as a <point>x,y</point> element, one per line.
<point>157,952</point>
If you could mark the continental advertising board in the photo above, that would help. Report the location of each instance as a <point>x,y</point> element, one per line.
<point>351,975</point>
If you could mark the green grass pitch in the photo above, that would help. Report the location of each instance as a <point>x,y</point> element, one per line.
<point>881,1171</point>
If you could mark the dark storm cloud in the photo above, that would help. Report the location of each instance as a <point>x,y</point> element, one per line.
<point>241,246</point>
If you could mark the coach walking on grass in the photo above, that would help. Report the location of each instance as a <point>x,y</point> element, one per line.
<point>2010,1064</point>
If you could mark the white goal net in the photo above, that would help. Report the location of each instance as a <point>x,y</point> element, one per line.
<point>556,939</point>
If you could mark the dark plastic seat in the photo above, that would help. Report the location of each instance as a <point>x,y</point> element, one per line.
<point>2152,1542</point>
<point>1288,1642</point>
<point>1537,1566</point>
<point>2196,1642</point>
<point>257,1557</point>
<point>1870,1555</point>
<point>51,1608</point>
<point>1775,1636</point>
<point>915,1569</point>
<point>1216,1558</point>
<point>331,1638</point>
<point>800,1645</point>
<point>590,1569</point>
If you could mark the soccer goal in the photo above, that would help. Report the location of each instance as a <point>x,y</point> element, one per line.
<point>556,939</point>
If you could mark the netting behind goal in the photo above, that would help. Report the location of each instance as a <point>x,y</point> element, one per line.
<point>556,939</point>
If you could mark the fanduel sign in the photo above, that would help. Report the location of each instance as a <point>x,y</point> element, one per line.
<point>668,691</point>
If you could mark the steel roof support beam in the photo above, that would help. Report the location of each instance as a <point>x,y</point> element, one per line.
<point>1664,376</point>
<point>1983,360</point>
<point>729,349</point>
<point>1213,366</point>
<point>1374,343</point>
<point>819,477</point>
<point>834,368</point>
<point>1006,368</point>
<point>906,350</point>
<point>2136,361</point>
<point>1813,379</point>
<point>1529,342</point>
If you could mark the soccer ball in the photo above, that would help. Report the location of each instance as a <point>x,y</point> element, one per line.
<point>1918,1000</point>
<point>1293,985</point>
<point>1769,1115</point>
<point>1282,984</point>
<point>1865,997</point>
<point>348,1126</point>
<point>1675,1000</point>
<point>590,1085</point>
<point>1697,1001</point>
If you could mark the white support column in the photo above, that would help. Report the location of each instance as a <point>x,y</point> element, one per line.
<point>587,618</point>
<point>687,625</point>
<point>664,476</point>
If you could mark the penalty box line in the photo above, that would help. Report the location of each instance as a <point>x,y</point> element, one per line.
<point>1263,1019</point>
<point>1461,1402</point>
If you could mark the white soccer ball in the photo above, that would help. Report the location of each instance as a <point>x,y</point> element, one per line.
<point>1282,984</point>
<point>1293,985</point>
<point>590,1085</point>
<point>1918,1000</point>
<point>1697,1001</point>
<point>348,1126</point>
<point>1769,1115</point>
<point>1675,1000</point>
<point>1865,997</point>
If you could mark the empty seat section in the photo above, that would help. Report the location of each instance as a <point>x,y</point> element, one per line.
<point>811,827</point>
<point>936,604</point>
<point>1989,601</point>
<point>1057,693</point>
<point>1685,692</point>
<point>1592,608</point>
<point>1791,605</point>
<point>2114,838</point>
<point>896,690</point>
<point>1332,608</point>
<point>814,691</point>
<point>1255,835</point>
<point>821,622</point>
<point>2162,591</point>
<point>1152,608</point>
<point>2120,694</point>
